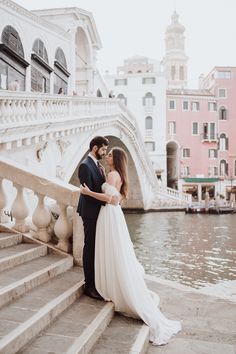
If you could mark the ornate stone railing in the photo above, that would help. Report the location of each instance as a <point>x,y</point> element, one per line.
<point>64,194</point>
<point>28,107</point>
<point>174,194</point>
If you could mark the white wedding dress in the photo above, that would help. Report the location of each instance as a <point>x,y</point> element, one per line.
<point>119,277</point>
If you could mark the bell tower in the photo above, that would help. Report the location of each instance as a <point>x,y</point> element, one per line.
<point>175,60</point>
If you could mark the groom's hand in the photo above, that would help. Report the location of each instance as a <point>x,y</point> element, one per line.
<point>114,200</point>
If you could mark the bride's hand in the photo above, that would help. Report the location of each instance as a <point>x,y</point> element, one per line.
<point>84,189</point>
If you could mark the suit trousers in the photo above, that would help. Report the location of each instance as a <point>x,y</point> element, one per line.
<point>89,251</point>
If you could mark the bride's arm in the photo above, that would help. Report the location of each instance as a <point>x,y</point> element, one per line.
<point>99,196</point>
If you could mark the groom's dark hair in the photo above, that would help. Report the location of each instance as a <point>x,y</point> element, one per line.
<point>99,141</point>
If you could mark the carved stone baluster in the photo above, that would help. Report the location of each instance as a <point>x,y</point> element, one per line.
<point>63,229</point>
<point>41,219</point>
<point>19,210</point>
<point>3,201</point>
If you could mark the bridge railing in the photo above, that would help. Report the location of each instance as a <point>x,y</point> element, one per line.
<point>25,107</point>
<point>64,194</point>
<point>175,194</point>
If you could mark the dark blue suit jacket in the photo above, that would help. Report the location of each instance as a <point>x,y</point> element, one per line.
<point>89,173</point>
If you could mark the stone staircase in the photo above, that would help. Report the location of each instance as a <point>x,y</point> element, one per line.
<point>43,309</point>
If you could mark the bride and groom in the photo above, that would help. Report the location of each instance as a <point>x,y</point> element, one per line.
<point>112,272</point>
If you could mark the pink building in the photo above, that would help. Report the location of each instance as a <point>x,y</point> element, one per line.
<point>201,135</point>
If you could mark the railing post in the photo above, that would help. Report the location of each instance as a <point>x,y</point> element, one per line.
<point>63,229</point>
<point>3,201</point>
<point>41,219</point>
<point>78,238</point>
<point>19,210</point>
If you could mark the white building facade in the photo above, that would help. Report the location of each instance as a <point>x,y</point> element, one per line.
<point>141,86</point>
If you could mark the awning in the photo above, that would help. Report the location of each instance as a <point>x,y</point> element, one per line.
<point>201,180</point>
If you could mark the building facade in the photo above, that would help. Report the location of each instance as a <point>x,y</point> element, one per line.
<point>43,51</point>
<point>141,86</point>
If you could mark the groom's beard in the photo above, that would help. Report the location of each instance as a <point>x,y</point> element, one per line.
<point>99,156</point>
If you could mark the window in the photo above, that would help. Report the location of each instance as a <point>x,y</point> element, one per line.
<point>209,131</point>
<point>120,82</point>
<point>186,171</point>
<point>195,106</point>
<point>222,93</point>
<point>150,146</point>
<point>223,168</point>
<point>223,143</point>
<point>181,73</point>
<point>212,171</point>
<point>186,152</point>
<point>172,72</point>
<point>149,80</point>
<point>185,105</point>
<point>122,98</point>
<point>171,104</point>
<point>212,153</point>
<point>148,100</point>
<point>195,128</point>
<point>222,113</point>
<point>211,106</point>
<point>223,75</point>
<point>148,123</point>
<point>171,128</point>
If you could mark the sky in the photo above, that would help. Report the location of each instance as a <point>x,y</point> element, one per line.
<point>137,27</point>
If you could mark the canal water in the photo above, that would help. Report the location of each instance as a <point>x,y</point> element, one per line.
<point>192,249</point>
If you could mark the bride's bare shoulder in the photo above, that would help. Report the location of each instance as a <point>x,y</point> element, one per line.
<point>113,176</point>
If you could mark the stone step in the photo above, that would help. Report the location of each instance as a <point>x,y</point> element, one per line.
<point>17,281</point>
<point>27,316</point>
<point>123,335</point>
<point>76,330</point>
<point>18,254</point>
<point>9,239</point>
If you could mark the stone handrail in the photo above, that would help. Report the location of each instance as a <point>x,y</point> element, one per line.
<point>63,193</point>
<point>174,194</point>
<point>25,107</point>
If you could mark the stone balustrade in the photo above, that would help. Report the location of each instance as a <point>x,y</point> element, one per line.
<point>22,107</point>
<point>64,194</point>
<point>174,194</point>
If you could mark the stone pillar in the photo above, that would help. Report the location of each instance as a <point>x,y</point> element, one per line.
<point>63,229</point>
<point>41,219</point>
<point>199,192</point>
<point>78,239</point>
<point>19,210</point>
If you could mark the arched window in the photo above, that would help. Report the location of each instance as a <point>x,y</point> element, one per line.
<point>139,71</point>
<point>61,74</point>
<point>223,168</point>
<point>11,39</point>
<point>122,98</point>
<point>181,72</point>
<point>130,72</point>
<point>148,100</point>
<point>12,63</point>
<point>40,50</point>
<point>40,70</point>
<point>223,113</point>
<point>173,72</point>
<point>148,123</point>
<point>223,142</point>
<point>60,57</point>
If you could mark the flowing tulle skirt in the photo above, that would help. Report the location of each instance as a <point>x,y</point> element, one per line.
<point>119,277</point>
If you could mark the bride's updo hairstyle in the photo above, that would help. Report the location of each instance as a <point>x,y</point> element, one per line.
<point>120,161</point>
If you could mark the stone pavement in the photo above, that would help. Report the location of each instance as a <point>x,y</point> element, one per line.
<point>209,323</point>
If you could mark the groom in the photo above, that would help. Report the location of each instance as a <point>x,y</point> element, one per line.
<point>92,174</point>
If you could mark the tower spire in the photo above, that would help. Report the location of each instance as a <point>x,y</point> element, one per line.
<point>175,60</point>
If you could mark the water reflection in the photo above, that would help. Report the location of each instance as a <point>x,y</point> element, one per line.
<point>195,250</point>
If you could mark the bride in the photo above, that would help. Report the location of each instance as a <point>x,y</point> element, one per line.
<point>119,277</point>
